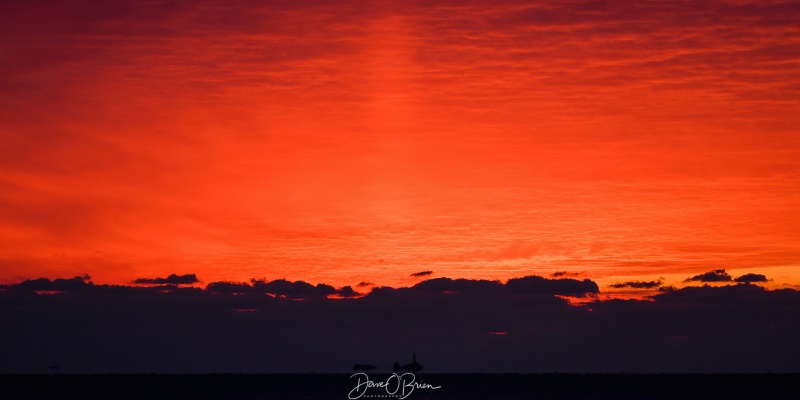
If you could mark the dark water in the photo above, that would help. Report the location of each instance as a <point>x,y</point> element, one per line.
<point>451,386</point>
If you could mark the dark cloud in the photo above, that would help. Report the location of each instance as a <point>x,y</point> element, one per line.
<point>737,297</point>
<point>60,284</point>
<point>365,284</point>
<point>293,290</point>
<point>422,273</point>
<point>717,275</point>
<point>347,292</point>
<point>667,289</point>
<point>229,287</point>
<point>451,286</point>
<point>539,285</point>
<point>281,288</point>
<point>529,285</point>
<point>750,278</point>
<point>638,284</point>
<point>172,279</point>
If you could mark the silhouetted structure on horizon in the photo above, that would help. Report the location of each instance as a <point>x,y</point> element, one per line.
<point>414,366</point>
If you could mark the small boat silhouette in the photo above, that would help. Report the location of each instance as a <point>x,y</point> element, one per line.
<point>363,367</point>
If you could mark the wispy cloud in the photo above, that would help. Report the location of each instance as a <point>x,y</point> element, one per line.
<point>638,284</point>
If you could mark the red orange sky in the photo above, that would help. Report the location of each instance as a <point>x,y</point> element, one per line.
<point>342,142</point>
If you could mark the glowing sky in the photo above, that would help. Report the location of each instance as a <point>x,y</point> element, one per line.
<point>347,141</point>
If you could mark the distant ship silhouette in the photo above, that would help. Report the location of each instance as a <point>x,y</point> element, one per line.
<point>414,367</point>
<point>363,367</point>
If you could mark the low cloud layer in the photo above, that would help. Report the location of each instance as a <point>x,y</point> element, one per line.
<point>451,324</point>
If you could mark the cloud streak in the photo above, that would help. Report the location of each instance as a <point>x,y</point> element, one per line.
<point>172,279</point>
<point>638,284</point>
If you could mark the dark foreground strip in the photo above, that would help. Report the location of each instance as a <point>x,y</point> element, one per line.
<point>453,386</point>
